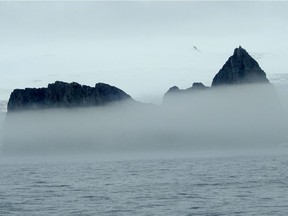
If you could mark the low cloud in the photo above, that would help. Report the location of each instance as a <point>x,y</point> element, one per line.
<point>221,119</point>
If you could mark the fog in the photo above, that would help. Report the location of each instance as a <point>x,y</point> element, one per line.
<point>247,118</point>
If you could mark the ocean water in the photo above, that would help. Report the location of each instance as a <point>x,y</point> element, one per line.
<point>240,185</point>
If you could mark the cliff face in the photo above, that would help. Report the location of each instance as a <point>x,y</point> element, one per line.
<point>240,68</point>
<point>65,95</point>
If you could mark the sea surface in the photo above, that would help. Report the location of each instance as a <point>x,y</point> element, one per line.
<point>239,185</point>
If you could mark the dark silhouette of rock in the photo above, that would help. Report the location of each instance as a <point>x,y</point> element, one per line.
<point>240,68</point>
<point>214,116</point>
<point>173,90</point>
<point>197,86</point>
<point>65,95</point>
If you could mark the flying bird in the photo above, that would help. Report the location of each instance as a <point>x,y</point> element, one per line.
<point>196,49</point>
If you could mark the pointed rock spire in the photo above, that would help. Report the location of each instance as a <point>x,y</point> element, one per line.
<point>240,68</point>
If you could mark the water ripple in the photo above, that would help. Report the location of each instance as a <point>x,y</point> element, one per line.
<point>208,186</point>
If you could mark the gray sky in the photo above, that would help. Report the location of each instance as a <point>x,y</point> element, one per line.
<point>141,47</point>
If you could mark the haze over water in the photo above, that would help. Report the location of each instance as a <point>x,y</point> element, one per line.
<point>247,117</point>
<point>218,152</point>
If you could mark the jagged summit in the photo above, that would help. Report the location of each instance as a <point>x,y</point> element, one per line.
<point>240,51</point>
<point>197,86</point>
<point>175,90</point>
<point>240,68</point>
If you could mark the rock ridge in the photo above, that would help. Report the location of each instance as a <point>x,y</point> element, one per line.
<point>65,95</point>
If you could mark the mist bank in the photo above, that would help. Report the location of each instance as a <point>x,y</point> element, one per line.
<point>243,117</point>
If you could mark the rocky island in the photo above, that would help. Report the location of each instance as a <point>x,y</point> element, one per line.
<point>240,110</point>
<point>239,69</point>
<point>65,95</point>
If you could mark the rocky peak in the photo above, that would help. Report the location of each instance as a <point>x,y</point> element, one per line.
<point>240,68</point>
<point>198,86</point>
<point>240,52</point>
<point>173,89</point>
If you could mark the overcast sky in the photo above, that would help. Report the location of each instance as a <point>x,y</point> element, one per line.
<point>143,48</point>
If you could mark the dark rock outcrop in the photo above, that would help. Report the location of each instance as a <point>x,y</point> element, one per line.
<point>241,115</point>
<point>197,86</point>
<point>240,68</point>
<point>65,95</point>
<point>174,90</point>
